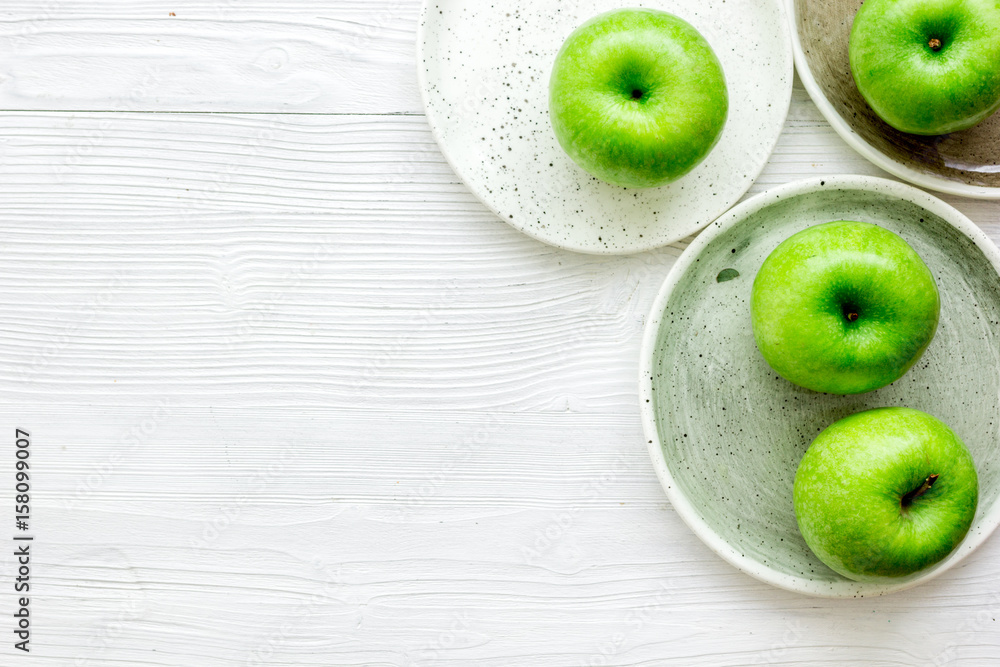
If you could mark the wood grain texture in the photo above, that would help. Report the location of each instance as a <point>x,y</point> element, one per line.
<point>336,257</point>
<point>297,398</point>
<point>229,55</point>
<point>340,355</point>
<point>447,539</point>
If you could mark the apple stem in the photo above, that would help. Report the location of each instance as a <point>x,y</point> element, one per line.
<point>852,317</point>
<point>924,488</point>
<point>935,44</point>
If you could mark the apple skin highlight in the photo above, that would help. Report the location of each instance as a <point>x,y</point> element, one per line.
<point>863,500</point>
<point>637,97</point>
<point>844,308</point>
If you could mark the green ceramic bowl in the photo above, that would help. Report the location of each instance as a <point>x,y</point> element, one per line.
<point>726,434</point>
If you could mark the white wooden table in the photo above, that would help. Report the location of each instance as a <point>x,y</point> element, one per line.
<point>296,398</point>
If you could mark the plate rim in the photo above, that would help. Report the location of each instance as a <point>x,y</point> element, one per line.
<point>787,52</point>
<point>862,147</point>
<point>684,508</point>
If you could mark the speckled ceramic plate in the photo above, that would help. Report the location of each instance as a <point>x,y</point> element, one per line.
<point>484,74</point>
<point>726,434</point>
<point>963,163</point>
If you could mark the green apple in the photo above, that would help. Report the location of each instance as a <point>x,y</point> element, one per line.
<point>928,66</point>
<point>885,493</point>
<point>637,97</point>
<point>844,308</point>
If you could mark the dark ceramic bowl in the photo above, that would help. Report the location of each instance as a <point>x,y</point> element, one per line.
<point>962,163</point>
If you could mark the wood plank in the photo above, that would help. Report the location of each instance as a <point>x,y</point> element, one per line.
<point>225,9</point>
<point>231,55</point>
<point>178,536</point>
<point>271,260</point>
<point>334,262</point>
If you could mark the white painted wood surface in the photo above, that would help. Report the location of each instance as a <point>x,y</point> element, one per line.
<point>296,398</point>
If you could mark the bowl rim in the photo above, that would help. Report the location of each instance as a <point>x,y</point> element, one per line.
<point>855,141</point>
<point>799,584</point>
